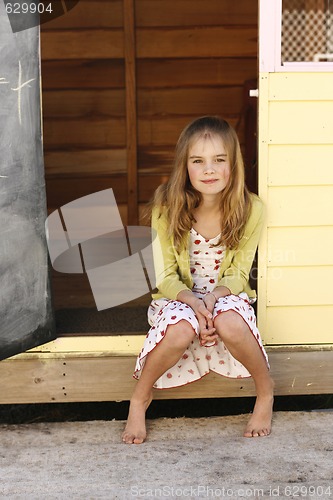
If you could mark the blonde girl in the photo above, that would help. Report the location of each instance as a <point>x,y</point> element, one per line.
<point>208,226</point>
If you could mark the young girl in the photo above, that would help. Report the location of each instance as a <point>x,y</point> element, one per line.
<point>208,226</point>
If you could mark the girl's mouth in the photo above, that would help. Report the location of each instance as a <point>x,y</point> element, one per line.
<point>209,181</point>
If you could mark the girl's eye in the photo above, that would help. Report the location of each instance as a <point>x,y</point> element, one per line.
<point>220,160</point>
<point>196,161</point>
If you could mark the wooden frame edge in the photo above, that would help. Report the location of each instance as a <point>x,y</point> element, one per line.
<point>66,377</point>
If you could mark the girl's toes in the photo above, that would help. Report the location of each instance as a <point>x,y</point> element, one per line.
<point>138,440</point>
<point>128,439</point>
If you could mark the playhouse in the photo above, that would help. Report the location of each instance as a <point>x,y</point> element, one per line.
<point>119,80</point>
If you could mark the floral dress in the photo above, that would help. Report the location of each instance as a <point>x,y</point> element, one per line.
<point>197,360</point>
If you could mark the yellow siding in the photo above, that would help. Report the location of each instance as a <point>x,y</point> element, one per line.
<point>290,286</point>
<point>295,286</point>
<point>300,324</point>
<point>301,122</point>
<point>300,246</point>
<point>292,86</point>
<point>304,164</point>
<point>300,206</point>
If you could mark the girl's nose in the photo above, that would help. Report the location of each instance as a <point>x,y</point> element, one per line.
<point>209,167</point>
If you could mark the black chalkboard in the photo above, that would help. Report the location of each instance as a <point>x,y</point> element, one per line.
<point>26,317</point>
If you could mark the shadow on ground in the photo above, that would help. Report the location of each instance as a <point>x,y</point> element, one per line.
<point>190,408</point>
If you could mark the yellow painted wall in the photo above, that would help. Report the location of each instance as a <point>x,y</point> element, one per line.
<point>295,279</point>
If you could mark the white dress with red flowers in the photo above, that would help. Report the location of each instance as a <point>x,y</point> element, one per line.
<point>197,360</point>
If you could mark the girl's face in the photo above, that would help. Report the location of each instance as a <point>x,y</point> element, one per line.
<point>208,165</point>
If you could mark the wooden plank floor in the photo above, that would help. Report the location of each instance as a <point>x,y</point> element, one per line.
<point>105,375</point>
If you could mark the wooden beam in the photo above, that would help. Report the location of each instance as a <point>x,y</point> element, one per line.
<point>103,376</point>
<point>131,112</point>
<point>156,42</point>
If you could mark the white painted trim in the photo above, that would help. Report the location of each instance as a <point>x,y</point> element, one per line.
<point>278,34</point>
<point>270,28</point>
<point>306,67</point>
<point>266,38</point>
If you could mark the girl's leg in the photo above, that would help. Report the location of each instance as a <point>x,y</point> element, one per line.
<point>159,360</point>
<point>241,343</point>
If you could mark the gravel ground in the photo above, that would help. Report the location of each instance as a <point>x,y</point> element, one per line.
<point>182,458</point>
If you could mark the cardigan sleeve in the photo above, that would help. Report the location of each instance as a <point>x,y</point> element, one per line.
<point>168,280</point>
<point>236,276</point>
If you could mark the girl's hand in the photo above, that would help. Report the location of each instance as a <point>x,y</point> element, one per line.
<point>210,301</point>
<point>206,333</point>
<point>203,314</point>
<point>205,319</point>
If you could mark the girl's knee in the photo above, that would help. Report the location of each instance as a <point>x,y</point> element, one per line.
<point>181,333</point>
<point>230,326</point>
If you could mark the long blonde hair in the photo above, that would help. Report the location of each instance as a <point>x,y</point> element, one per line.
<point>179,198</point>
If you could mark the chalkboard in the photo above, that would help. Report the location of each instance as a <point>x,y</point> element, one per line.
<point>26,317</point>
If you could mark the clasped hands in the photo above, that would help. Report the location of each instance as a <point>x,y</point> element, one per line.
<point>204,312</point>
<point>203,309</point>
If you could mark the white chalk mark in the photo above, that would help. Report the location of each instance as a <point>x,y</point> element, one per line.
<point>4,176</point>
<point>24,84</point>
<point>18,90</point>
<point>293,383</point>
<point>3,82</point>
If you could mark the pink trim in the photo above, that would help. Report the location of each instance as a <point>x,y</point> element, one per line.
<point>191,381</point>
<point>261,347</point>
<point>230,307</point>
<point>140,360</point>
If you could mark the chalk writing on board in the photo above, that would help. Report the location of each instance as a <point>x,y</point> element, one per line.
<point>25,307</point>
<point>18,89</point>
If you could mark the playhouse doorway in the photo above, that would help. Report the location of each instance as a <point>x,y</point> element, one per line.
<point>120,80</point>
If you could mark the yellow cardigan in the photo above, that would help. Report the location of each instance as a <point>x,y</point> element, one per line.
<point>172,269</point>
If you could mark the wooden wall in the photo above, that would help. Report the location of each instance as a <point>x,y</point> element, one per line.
<point>296,182</point>
<point>186,58</point>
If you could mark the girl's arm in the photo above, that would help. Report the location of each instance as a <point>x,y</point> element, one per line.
<point>236,276</point>
<point>168,280</point>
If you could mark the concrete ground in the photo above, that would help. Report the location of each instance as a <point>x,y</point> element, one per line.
<point>182,458</point>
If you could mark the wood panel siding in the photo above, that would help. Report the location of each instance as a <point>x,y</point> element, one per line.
<point>300,205</point>
<point>65,189</point>
<point>167,42</point>
<point>300,113</point>
<point>305,163</point>
<point>286,89</point>
<point>191,59</point>
<point>301,285</point>
<point>78,74</point>
<point>284,324</point>
<point>152,13</point>
<point>296,182</point>
<point>291,246</point>
<point>88,44</point>
<point>110,132</point>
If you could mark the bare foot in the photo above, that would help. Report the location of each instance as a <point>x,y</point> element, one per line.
<point>260,423</point>
<point>135,430</point>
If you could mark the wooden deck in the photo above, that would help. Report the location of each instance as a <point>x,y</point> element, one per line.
<point>101,371</point>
